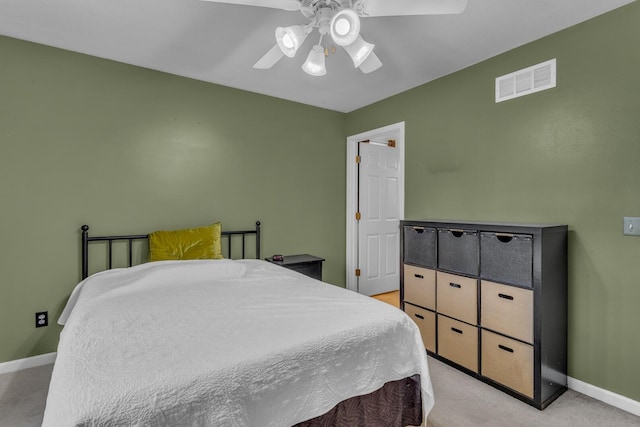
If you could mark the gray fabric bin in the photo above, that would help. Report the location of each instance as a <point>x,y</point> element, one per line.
<point>420,246</point>
<point>507,258</point>
<point>458,251</point>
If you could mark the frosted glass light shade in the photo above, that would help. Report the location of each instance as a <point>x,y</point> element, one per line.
<point>359,51</point>
<point>314,65</point>
<point>344,27</point>
<point>290,39</point>
<point>371,64</point>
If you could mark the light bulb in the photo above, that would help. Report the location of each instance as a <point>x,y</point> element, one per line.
<point>287,41</point>
<point>344,27</point>
<point>290,39</point>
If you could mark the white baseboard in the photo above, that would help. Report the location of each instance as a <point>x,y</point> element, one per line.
<point>28,362</point>
<point>606,396</point>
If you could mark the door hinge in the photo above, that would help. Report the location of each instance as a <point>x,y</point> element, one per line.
<point>357,272</point>
<point>358,216</point>
<point>391,143</point>
<point>357,159</point>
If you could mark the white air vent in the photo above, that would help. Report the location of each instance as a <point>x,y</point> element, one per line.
<point>528,80</point>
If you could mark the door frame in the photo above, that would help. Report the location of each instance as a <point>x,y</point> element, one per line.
<point>352,192</point>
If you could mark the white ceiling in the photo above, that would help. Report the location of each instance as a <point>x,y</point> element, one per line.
<point>219,43</point>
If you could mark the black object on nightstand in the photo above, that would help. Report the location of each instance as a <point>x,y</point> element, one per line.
<point>306,264</point>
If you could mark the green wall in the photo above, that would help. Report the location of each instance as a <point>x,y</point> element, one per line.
<point>129,150</point>
<point>567,155</point>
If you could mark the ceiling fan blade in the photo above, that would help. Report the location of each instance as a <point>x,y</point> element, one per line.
<point>274,4</point>
<point>370,64</point>
<point>413,7</point>
<point>269,59</point>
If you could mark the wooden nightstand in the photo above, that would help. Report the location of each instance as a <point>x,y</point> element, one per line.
<point>305,264</point>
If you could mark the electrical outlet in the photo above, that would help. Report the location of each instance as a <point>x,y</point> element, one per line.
<point>42,319</point>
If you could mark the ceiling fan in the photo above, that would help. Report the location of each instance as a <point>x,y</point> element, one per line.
<point>340,20</point>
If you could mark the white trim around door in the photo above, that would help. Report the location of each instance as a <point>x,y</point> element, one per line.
<point>352,192</point>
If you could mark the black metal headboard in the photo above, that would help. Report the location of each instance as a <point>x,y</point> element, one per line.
<point>86,239</point>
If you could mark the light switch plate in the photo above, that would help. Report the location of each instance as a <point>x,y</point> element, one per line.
<point>631,226</point>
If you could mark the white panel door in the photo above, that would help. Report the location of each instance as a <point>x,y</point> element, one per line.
<point>378,228</point>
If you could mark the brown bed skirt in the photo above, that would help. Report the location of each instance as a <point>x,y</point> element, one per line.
<point>395,404</point>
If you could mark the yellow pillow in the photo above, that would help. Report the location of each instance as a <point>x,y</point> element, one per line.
<point>190,243</point>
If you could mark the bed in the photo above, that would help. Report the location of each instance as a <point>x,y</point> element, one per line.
<point>222,342</point>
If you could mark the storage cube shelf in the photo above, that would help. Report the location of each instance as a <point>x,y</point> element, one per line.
<point>491,300</point>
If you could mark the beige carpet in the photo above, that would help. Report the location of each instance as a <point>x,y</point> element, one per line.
<point>461,401</point>
<point>23,395</point>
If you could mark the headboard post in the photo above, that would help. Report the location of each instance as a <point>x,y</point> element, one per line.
<point>258,244</point>
<point>85,251</point>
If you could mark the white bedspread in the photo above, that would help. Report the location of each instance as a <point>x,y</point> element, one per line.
<point>222,343</point>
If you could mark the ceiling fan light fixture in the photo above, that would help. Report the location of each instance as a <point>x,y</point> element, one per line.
<point>290,39</point>
<point>340,19</point>
<point>314,65</point>
<point>359,51</point>
<point>344,27</point>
